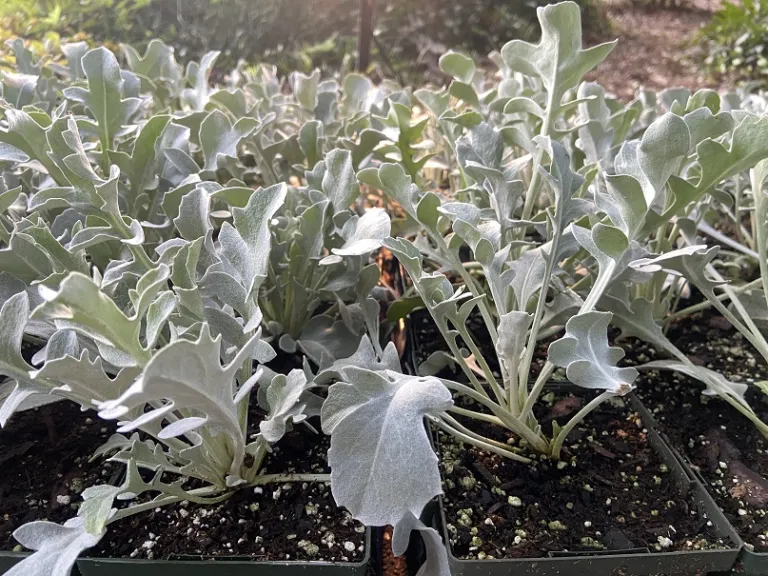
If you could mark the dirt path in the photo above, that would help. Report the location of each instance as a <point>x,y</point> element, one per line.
<point>656,46</point>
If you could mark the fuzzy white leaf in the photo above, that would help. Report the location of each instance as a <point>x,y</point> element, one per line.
<point>56,547</point>
<point>15,398</point>
<point>513,333</point>
<point>246,245</point>
<point>365,234</point>
<point>339,183</point>
<point>588,360</point>
<point>325,340</point>
<point>376,425</point>
<point>188,375</point>
<point>84,379</point>
<point>219,138</point>
<point>283,396</point>
<point>436,563</point>
<point>688,262</point>
<point>364,357</point>
<point>558,59</point>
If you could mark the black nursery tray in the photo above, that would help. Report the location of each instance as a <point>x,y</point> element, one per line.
<point>9,559</point>
<point>631,562</point>
<point>752,563</point>
<point>201,566</point>
<point>112,558</point>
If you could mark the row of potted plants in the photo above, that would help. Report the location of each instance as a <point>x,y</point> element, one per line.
<point>164,273</point>
<point>199,269</point>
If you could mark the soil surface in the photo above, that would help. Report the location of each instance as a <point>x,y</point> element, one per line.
<point>656,46</point>
<point>726,449</point>
<point>45,456</point>
<point>291,521</point>
<point>610,491</point>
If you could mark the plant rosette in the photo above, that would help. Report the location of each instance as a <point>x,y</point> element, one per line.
<point>621,501</point>
<point>246,529</point>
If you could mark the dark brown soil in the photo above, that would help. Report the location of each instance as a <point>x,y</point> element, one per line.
<point>391,565</point>
<point>612,492</point>
<point>730,454</point>
<point>657,46</point>
<point>289,521</point>
<point>45,455</point>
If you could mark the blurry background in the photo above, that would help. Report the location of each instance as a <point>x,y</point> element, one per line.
<point>662,42</point>
<point>294,34</point>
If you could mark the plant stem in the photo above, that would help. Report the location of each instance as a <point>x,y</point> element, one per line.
<point>673,292</point>
<point>759,228</point>
<point>557,445</point>
<point>581,282</point>
<point>472,393</point>
<point>530,348</point>
<point>673,234</point>
<point>162,501</point>
<point>726,240</point>
<point>258,459</point>
<point>463,429</point>
<point>470,283</point>
<point>470,374</point>
<point>478,356</point>
<point>677,287</point>
<point>478,443</point>
<point>242,409</point>
<point>532,193</point>
<point>748,413</point>
<point>538,386</point>
<point>105,161</point>
<point>507,418</point>
<point>138,251</point>
<point>754,337</point>
<point>707,304</point>
<point>278,478</point>
<point>603,280</point>
<point>737,206</point>
<point>476,415</point>
<point>739,404</point>
<point>141,256</point>
<point>549,332</point>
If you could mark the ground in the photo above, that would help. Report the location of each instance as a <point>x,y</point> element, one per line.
<point>656,46</point>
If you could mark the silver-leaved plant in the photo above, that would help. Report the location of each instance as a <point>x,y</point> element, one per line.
<point>162,237</point>
<point>157,246</point>
<point>567,213</point>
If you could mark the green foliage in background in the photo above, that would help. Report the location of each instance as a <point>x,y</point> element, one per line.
<point>319,33</point>
<point>736,40</point>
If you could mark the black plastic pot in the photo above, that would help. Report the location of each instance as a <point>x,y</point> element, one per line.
<point>9,559</point>
<point>635,562</point>
<point>202,566</point>
<point>752,563</point>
